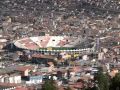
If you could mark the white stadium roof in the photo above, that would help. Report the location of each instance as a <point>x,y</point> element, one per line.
<point>35,43</point>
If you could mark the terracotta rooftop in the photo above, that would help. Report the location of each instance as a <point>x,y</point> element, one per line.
<point>24,88</point>
<point>24,68</point>
<point>9,84</point>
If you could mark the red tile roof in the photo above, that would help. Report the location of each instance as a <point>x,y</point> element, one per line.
<point>25,88</point>
<point>9,84</point>
<point>24,68</point>
<point>78,85</point>
<point>21,88</point>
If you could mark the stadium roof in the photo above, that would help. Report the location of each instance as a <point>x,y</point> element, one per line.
<point>49,42</point>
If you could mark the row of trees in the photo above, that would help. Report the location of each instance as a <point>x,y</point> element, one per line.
<point>102,82</point>
<point>105,82</point>
<point>51,85</point>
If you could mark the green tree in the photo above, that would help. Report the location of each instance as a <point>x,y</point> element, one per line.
<point>49,85</point>
<point>94,88</point>
<point>68,88</point>
<point>102,81</point>
<point>115,82</point>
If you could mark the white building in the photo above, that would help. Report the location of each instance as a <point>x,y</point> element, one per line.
<point>10,79</point>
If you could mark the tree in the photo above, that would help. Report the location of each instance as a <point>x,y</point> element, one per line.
<point>93,88</point>
<point>102,81</point>
<point>68,88</point>
<point>49,85</point>
<point>115,82</point>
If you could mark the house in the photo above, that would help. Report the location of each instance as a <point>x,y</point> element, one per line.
<point>34,79</point>
<point>9,76</point>
<point>24,70</point>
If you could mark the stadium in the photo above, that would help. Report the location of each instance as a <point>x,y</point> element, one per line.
<point>49,43</point>
<point>47,48</point>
